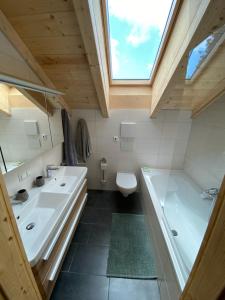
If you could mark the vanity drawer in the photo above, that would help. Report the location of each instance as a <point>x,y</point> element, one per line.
<point>46,271</point>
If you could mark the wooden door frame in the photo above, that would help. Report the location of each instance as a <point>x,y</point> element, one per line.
<point>16,278</point>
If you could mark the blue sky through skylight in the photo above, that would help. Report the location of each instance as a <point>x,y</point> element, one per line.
<point>136,28</point>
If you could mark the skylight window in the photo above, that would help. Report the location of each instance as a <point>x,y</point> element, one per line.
<point>200,54</point>
<point>136,29</point>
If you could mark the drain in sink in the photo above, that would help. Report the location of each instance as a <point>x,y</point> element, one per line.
<point>62,184</point>
<point>30,226</point>
<point>174,232</point>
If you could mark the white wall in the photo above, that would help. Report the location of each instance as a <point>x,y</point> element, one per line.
<point>205,158</point>
<point>34,168</point>
<point>161,142</point>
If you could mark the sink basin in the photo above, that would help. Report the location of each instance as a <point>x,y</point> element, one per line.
<point>61,184</point>
<point>43,213</point>
<point>37,220</point>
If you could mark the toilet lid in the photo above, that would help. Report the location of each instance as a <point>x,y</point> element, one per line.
<point>126,180</point>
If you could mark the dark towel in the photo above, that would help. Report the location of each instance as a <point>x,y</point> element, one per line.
<point>83,142</point>
<point>69,151</point>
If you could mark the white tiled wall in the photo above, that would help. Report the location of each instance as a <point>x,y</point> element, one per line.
<point>35,167</point>
<point>205,158</point>
<point>160,142</point>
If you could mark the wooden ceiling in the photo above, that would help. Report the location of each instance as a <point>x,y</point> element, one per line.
<point>50,30</point>
<point>66,38</point>
<point>210,83</point>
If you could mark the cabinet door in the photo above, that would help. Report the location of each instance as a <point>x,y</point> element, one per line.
<point>16,277</point>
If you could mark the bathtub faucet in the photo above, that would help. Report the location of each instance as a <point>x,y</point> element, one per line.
<point>210,194</point>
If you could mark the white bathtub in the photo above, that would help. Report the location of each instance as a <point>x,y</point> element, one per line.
<point>179,207</point>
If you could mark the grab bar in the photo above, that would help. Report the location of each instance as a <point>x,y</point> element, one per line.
<point>55,239</point>
<point>66,242</point>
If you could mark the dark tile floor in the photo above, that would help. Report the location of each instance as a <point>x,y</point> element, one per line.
<point>83,275</point>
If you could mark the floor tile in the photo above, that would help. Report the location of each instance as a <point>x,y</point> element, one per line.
<point>100,235</point>
<point>96,216</point>
<point>90,259</point>
<point>92,196</point>
<point>133,289</point>
<point>71,286</point>
<point>82,233</point>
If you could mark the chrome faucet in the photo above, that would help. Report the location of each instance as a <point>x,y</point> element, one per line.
<point>210,194</point>
<point>49,170</point>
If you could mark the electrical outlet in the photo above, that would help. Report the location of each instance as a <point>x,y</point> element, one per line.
<point>116,139</point>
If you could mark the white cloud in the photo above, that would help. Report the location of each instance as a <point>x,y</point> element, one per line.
<point>141,15</point>
<point>150,66</point>
<point>115,56</point>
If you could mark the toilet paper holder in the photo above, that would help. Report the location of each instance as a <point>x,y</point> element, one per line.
<point>103,164</point>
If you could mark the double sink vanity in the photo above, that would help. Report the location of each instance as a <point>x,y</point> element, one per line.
<point>48,220</point>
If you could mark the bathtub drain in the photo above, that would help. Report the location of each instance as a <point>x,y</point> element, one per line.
<point>30,226</point>
<point>174,232</point>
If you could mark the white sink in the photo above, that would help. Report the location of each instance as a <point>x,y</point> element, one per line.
<point>40,217</point>
<point>61,185</point>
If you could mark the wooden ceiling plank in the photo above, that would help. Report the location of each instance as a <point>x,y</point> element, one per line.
<point>218,91</point>
<point>90,34</point>
<point>32,7</point>
<point>46,25</point>
<point>25,53</point>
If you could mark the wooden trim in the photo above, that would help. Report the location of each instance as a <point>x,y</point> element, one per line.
<point>165,39</point>
<point>25,53</point>
<point>16,277</point>
<point>90,22</point>
<point>207,279</point>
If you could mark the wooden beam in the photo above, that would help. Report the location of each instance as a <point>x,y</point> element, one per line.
<point>207,279</point>
<point>25,53</point>
<point>216,92</point>
<point>39,100</point>
<point>89,17</point>
<point>196,20</point>
<point>130,97</point>
<point>16,277</point>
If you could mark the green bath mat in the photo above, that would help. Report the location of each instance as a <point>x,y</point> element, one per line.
<point>131,250</point>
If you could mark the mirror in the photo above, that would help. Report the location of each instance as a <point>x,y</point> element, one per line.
<point>55,120</point>
<point>24,127</point>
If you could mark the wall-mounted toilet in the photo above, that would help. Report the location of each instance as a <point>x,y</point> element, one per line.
<point>126,183</point>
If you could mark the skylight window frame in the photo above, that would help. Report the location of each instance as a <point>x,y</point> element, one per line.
<point>176,4</point>
<point>206,61</point>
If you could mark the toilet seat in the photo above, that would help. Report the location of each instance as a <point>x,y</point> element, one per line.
<point>126,180</point>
